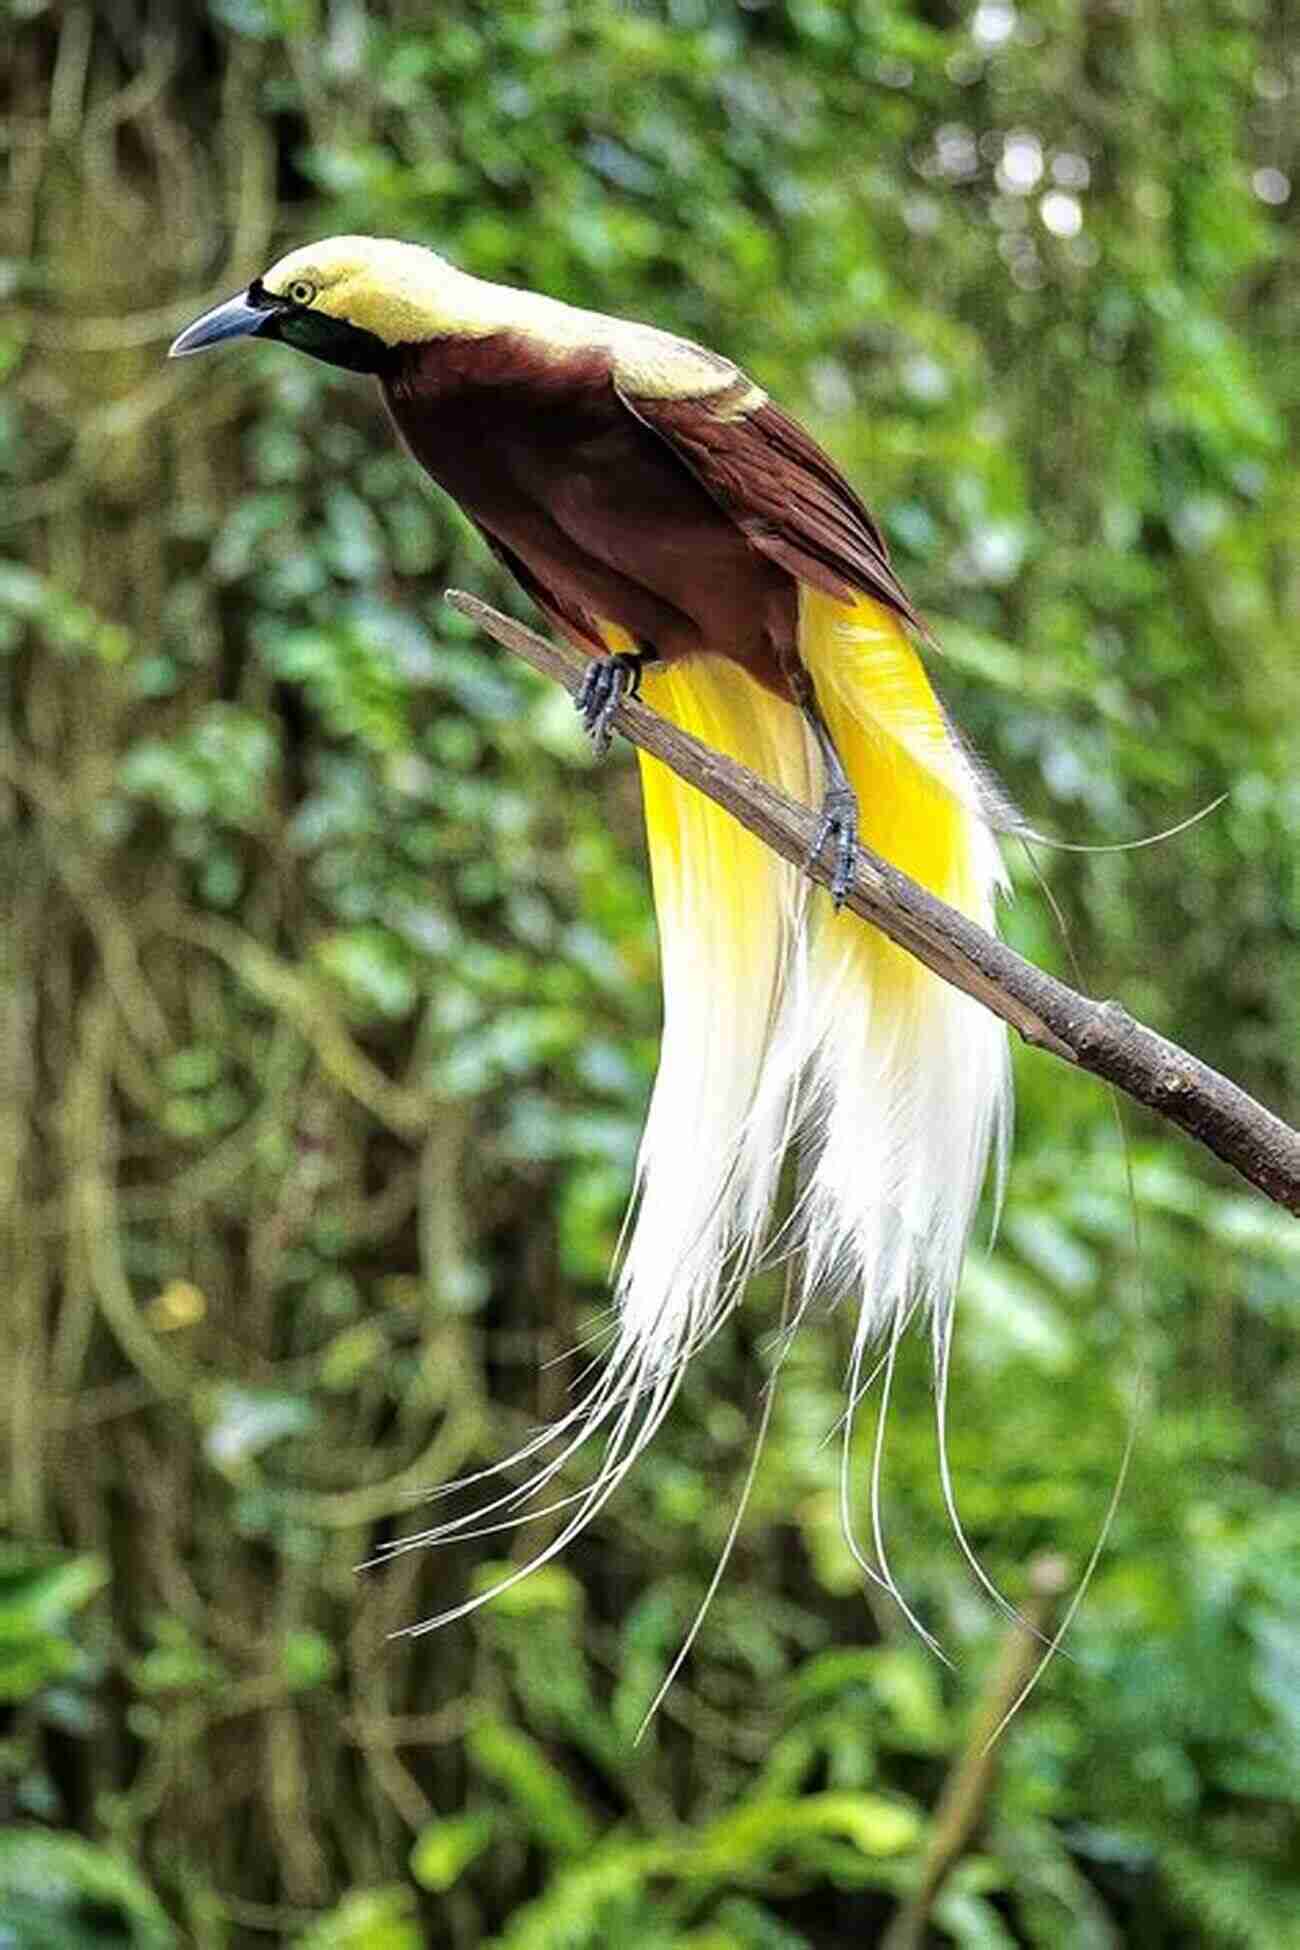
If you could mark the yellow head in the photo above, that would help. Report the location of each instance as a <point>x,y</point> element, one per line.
<point>349,301</point>
<point>397,292</point>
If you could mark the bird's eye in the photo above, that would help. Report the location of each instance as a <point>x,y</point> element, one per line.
<point>302,291</point>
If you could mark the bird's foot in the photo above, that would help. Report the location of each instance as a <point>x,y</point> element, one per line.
<point>608,680</point>
<point>839,821</point>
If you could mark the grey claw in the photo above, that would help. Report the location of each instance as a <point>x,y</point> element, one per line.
<point>608,680</point>
<point>839,819</point>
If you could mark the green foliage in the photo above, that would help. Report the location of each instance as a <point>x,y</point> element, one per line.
<point>48,1676</point>
<point>40,1594</point>
<point>445,1849</point>
<point>368,1919</point>
<point>616,1893</point>
<point>58,1892</point>
<point>329,995</point>
<point>537,1790</point>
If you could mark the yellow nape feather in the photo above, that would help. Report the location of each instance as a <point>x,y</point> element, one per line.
<point>406,295</point>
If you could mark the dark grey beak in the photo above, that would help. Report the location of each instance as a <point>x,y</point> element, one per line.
<point>239,318</point>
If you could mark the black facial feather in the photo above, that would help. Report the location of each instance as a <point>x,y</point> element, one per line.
<point>333,340</point>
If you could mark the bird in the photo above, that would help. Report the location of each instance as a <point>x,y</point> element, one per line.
<point>700,548</point>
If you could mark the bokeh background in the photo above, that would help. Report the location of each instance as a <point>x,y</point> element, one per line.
<point>329,993</point>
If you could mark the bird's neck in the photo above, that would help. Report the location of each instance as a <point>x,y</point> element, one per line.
<point>443,303</point>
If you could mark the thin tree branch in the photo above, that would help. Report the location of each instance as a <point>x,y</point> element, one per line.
<point>961,1807</point>
<point>1100,1037</point>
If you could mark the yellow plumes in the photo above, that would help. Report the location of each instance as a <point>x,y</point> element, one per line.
<point>911,780</point>
<point>783,1019</point>
<point>727,711</point>
<point>915,789</point>
<point>781,1015</point>
<point>728,911</point>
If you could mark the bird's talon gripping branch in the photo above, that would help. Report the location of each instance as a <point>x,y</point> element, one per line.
<point>839,821</point>
<point>608,680</point>
<point>839,799</point>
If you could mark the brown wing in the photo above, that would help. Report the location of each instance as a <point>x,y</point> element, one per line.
<point>778,486</point>
<point>576,623</point>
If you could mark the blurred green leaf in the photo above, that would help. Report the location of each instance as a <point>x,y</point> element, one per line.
<point>445,1849</point>
<point>307,1660</point>
<point>40,1592</point>
<point>548,1589</point>
<point>60,1891</point>
<point>368,1919</point>
<point>535,1787</point>
<point>372,968</point>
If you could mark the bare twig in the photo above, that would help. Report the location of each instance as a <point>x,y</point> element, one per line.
<point>965,1797</point>
<point>1100,1037</point>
